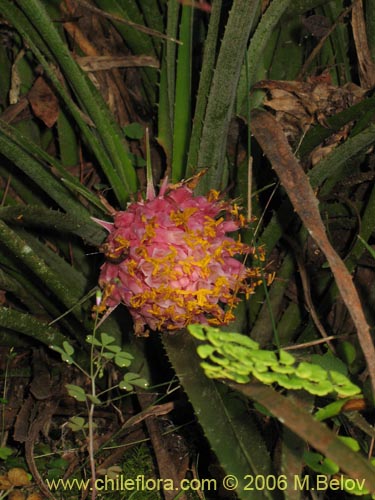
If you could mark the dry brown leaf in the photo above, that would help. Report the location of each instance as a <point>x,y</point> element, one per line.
<point>103,63</point>
<point>16,495</point>
<point>365,62</point>
<point>299,105</point>
<point>5,484</point>
<point>18,477</point>
<point>44,102</point>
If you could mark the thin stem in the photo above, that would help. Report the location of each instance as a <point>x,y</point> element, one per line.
<point>91,452</point>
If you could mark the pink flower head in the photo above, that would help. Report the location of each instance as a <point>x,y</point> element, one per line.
<point>170,261</point>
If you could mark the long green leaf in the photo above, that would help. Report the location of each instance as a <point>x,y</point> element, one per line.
<point>28,257</point>
<point>28,325</point>
<point>182,106</point>
<point>259,40</point>
<point>167,84</point>
<point>118,162</point>
<point>329,169</point>
<point>208,64</point>
<point>91,101</point>
<point>223,92</point>
<point>21,23</point>
<point>242,451</point>
<point>38,174</point>
<point>23,152</point>
<point>53,220</point>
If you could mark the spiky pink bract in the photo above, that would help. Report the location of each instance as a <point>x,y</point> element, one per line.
<point>171,262</point>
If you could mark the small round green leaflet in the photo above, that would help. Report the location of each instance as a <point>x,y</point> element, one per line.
<point>286,358</point>
<point>113,348</point>
<point>106,339</point>
<point>318,388</point>
<point>311,372</point>
<point>132,379</point>
<point>5,452</point>
<point>265,377</point>
<point>235,353</point>
<point>94,399</point>
<point>289,382</point>
<point>77,424</point>
<point>283,369</point>
<point>66,352</point>
<point>267,358</point>
<point>90,339</point>
<point>320,464</point>
<point>237,338</point>
<point>197,331</point>
<point>134,131</point>
<point>76,392</point>
<point>205,350</point>
<point>343,385</point>
<point>123,359</point>
<point>108,355</point>
<point>235,376</point>
<point>350,442</point>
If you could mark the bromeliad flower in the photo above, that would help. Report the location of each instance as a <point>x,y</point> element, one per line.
<point>170,260</point>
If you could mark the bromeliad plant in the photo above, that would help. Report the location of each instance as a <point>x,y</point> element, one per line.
<point>170,261</point>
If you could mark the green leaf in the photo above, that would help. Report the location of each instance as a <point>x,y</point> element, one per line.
<point>94,399</point>
<point>76,423</point>
<point>197,331</point>
<point>134,130</point>
<point>113,348</point>
<point>90,339</point>
<point>350,442</point>
<point>219,413</point>
<point>130,379</point>
<point>76,392</point>
<point>107,142</point>
<point>318,387</point>
<point>204,351</point>
<point>108,355</point>
<point>347,352</point>
<point>291,382</point>
<point>125,386</point>
<point>286,358</point>
<point>134,378</point>
<point>343,385</point>
<point>68,348</point>
<point>182,104</point>
<point>123,359</point>
<point>64,356</point>
<point>331,410</point>
<point>106,339</point>
<point>311,372</point>
<point>320,464</point>
<point>258,43</point>
<point>206,75</point>
<point>221,99</point>
<point>329,361</point>
<point>5,452</point>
